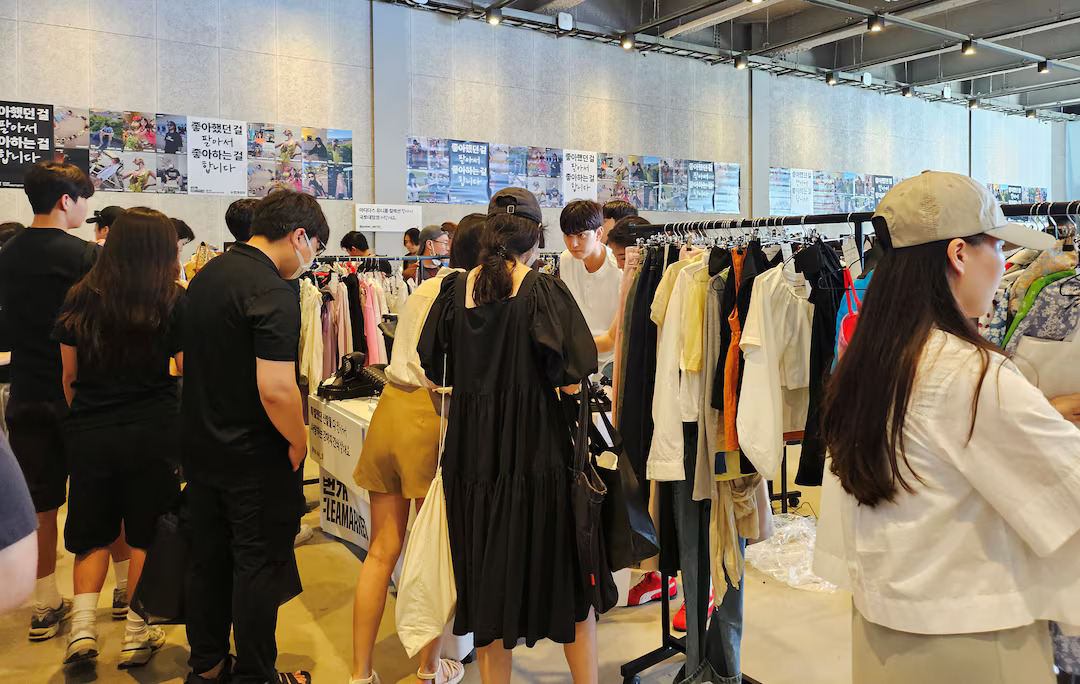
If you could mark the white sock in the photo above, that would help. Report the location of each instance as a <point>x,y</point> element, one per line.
<point>135,624</point>
<point>120,571</point>
<point>46,595</point>
<point>84,613</point>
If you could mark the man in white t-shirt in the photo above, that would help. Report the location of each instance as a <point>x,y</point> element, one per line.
<point>589,268</point>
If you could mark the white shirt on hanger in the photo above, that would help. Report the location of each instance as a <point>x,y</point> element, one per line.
<point>405,368</point>
<point>597,294</point>
<point>988,541</point>
<point>775,342</point>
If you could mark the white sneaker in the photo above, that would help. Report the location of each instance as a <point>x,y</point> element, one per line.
<point>303,535</point>
<point>137,650</point>
<point>82,647</point>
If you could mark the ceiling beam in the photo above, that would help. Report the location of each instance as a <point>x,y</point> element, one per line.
<point>696,7</point>
<point>719,17</point>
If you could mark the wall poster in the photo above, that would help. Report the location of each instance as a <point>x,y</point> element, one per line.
<point>728,180</point>
<point>428,166</point>
<point>702,184</point>
<point>26,138</point>
<point>579,175</point>
<point>468,172</point>
<point>217,157</point>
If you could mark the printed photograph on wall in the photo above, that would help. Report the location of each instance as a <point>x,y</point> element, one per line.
<point>106,129</point>
<point>105,168</point>
<point>339,181</point>
<point>172,175</point>
<point>728,178</point>
<point>71,128</point>
<point>622,168</point>
<point>506,167</point>
<point>548,192</point>
<point>287,147</point>
<point>667,172</point>
<point>605,166</point>
<point>554,162</point>
<point>652,170</point>
<point>779,191</point>
<point>261,141</point>
<point>637,168</point>
<point>605,191</point>
<point>428,186</point>
<point>427,154</point>
<point>139,172</point>
<point>260,177</point>
<point>537,166</point>
<point>70,155</point>
<point>139,133</point>
<point>339,141</point>
<point>289,176</point>
<point>316,179</point>
<point>672,198</point>
<point>314,142</point>
<point>171,133</point>
<point>824,192</point>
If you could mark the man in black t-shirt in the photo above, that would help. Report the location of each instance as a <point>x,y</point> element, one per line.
<point>173,139</point>
<point>245,439</point>
<point>37,268</point>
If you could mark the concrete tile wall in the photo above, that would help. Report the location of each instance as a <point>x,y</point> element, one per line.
<point>825,128</point>
<point>1011,150</point>
<point>297,61</point>
<point>499,84</point>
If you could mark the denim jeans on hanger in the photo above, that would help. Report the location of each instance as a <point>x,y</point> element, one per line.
<point>712,655</point>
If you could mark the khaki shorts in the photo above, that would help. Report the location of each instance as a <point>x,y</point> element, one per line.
<point>880,655</point>
<point>401,448</point>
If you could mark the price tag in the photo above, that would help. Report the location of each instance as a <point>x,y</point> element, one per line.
<point>785,249</point>
<point>851,258</point>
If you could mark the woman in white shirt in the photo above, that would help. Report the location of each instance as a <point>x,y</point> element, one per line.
<point>955,505</point>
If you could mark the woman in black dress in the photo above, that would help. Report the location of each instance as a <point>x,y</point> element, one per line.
<point>505,337</point>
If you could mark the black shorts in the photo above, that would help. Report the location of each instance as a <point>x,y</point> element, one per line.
<point>120,474</point>
<point>37,438</point>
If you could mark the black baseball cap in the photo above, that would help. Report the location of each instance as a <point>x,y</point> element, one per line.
<point>107,216</point>
<point>516,201</point>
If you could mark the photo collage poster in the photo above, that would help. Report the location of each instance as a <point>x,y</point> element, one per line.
<point>133,151</point>
<point>439,173</point>
<point>794,192</point>
<point>1017,194</point>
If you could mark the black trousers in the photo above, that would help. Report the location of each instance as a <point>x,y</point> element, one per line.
<point>242,565</point>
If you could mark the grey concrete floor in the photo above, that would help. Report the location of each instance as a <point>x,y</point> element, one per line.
<point>791,636</point>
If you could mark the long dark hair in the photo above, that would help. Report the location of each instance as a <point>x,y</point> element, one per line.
<point>866,399</point>
<point>505,238</point>
<point>117,311</point>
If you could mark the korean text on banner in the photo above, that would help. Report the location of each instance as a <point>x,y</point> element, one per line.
<point>468,172</point>
<point>389,218</point>
<point>701,186</point>
<point>579,175</point>
<point>802,191</point>
<point>217,157</point>
<point>26,138</point>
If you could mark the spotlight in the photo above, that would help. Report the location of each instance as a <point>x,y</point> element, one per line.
<point>973,104</point>
<point>1032,114</point>
<point>493,16</point>
<point>875,24</point>
<point>742,62</point>
<point>967,47</point>
<point>756,2</point>
<point>627,41</point>
<point>907,92</point>
<point>946,92</point>
<point>1044,67</point>
<point>831,78</point>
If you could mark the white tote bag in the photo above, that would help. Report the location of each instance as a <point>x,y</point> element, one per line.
<point>1050,365</point>
<point>427,593</point>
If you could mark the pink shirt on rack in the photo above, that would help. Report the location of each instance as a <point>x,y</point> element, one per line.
<point>371,325</point>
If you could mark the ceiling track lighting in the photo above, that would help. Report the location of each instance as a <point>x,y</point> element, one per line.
<point>967,47</point>
<point>875,24</point>
<point>627,41</point>
<point>756,2</point>
<point>742,62</point>
<point>973,104</point>
<point>831,78</point>
<point>493,16</point>
<point>1044,67</point>
<point>907,91</point>
<point>1032,114</point>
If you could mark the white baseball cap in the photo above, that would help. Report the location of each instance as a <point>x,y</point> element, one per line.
<point>936,205</point>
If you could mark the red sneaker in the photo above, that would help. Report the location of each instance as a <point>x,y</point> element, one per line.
<point>678,623</point>
<point>649,589</point>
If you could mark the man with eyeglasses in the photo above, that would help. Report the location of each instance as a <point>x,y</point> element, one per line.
<point>435,242</point>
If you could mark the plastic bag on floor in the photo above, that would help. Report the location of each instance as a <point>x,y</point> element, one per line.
<point>788,556</point>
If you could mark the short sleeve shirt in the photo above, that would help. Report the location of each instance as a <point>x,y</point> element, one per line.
<point>239,309</point>
<point>37,268</point>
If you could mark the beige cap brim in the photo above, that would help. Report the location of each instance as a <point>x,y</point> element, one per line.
<point>1023,236</point>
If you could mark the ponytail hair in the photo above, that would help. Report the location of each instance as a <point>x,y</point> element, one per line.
<point>505,238</point>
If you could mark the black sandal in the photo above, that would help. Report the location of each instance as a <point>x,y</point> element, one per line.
<point>291,678</point>
<point>223,676</point>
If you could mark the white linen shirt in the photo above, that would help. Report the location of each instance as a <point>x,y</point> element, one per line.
<point>988,540</point>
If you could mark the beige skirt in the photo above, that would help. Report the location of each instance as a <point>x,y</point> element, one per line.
<point>880,655</point>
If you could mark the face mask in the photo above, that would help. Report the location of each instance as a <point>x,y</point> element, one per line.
<point>305,265</point>
<point>434,263</point>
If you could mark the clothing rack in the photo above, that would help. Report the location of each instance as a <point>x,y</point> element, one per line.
<point>376,259</point>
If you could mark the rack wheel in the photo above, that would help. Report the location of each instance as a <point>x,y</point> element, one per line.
<point>793,501</point>
<point>632,679</point>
